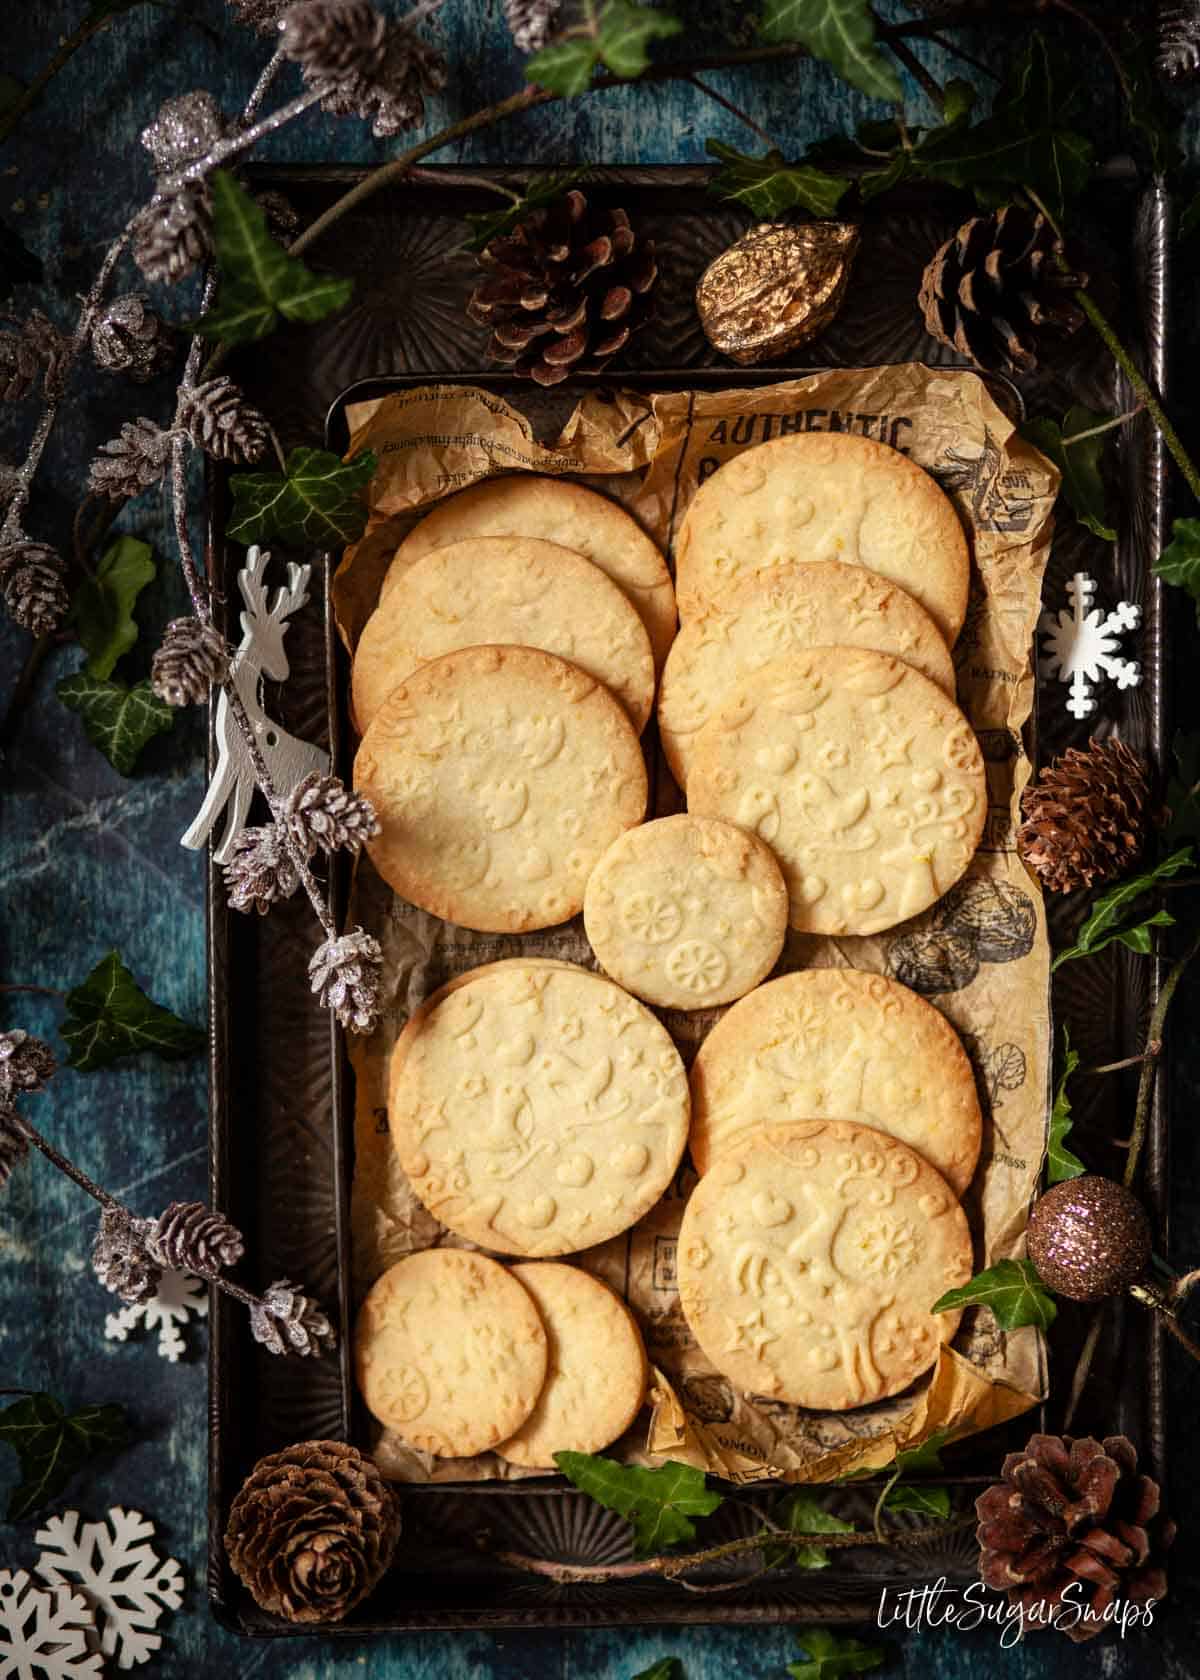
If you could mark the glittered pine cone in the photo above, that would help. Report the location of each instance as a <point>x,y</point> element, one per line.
<point>191,658</point>
<point>33,585</point>
<point>566,289</point>
<point>312,1531</point>
<point>219,420</point>
<point>129,338</point>
<point>170,237</point>
<point>1073,1514</point>
<point>1086,817</point>
<point>190,1237</point>
<point>997,289</point>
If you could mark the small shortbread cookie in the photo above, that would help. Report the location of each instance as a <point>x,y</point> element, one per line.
<point>596,1374</point>
<point>687,912</point>
<point>837,1044</point>
<point>864,779</point>
<point>539,1110</point>
<point>558,511</point>
<point>451,1352</point>
<point>822,496</point>
<point>499,775</point>
<point>809,1259</point>
<point>785,610</point>
<point>504,589</point>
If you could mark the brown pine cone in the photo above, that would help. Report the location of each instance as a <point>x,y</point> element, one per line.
<point>128,337</point>
<point>192,657</point>
<point>190,1237</point>
<point>568,287</point>
<point>132,462</point>
<point>993,290</point>
<point>1073,1514</point>
<point>219,420</point>
<point>170,237</point>
<point>312,1530</point>
<point>33,585</point>
<point>1086,817</point>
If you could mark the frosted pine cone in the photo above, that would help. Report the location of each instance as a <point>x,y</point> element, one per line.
<point>128,337</point>
<point>219,420</point>
<point>1086,817</point>
<point>121,1256</point>
<point>14,1145</point>
<point>185,130</point>
<point>190,1237</point>
<point>340,1533</point>
<point>531,22</point>
<point>334,40</point>
<point>26,1064</point>
<point>392,98</point>
<point>193,656</point>
<point>260,870</point>
<point>131,463</point>
<point>33,584</point>
<point>173,235</point>
<point>36,347</point>
<point>325,814</point>
<point>345,974</point>
<point>288,1321</point>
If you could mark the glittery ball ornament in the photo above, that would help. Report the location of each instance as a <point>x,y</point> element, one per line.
<point>775,288</point>
<point>185,130</point>
<point>1089,1238</point>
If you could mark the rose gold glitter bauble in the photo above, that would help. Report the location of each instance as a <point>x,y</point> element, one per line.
<point>1089,1238</point>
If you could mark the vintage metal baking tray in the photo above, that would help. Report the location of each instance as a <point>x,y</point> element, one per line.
<point>280,1087</point>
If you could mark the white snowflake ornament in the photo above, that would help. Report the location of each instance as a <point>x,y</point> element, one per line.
<point>121,1575</point>
<point>1080,645</point>
<point>177,1296</point>
<point>44,1633</point>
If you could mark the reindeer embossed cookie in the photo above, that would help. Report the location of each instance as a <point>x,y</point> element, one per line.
<point>837,1044</point>
<point>809,1258</point>
<point>821,496</point>
<point>499,775</point>
<point>863,778</point>
<point>539,1110</point>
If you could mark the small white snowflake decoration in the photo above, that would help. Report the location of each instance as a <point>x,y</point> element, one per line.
<point>120,1573</point>
<point>178,1295</point>
<point>44,1633</point>
<point>1080,645</point>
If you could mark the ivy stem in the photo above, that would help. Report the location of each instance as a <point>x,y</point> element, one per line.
<point>1108,426</point>
<point>1084,1364</point>
<point>1070,9</point>
<point>735,110</point>
<point>928,83</point>
<point>42,991</point>
<point>1154,1033</point>
<point>877,1514</point>
<point>1152,1050</point>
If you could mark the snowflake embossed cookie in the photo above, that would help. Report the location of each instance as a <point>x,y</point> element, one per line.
<point>864,779</point>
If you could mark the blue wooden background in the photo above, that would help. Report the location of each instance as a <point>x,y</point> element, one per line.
<point>89,859</point>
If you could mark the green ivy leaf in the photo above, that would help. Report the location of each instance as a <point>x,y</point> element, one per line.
<point>1104,921</point>
<point>315,500</point>
<point>830,1656</point>
<point>487,225</point>
<point>1013,1291</point>
<point>669,1668</point>
<point>564,67</point>
<point>768,186</point>
<point>1079,463</point>
<point>840,31</point>
<point>625,30</point>
<point>925,1457</point>
<point>1183,791</point>
<point>117,719</point>
<point>660,1503</point>
<point>102,611</point>
<point>109,1015</point>
<point>1179,562</point>
<point>802,1513</point>
<point>259,282</point>
<point>51,1446</point>
<point>1061,1163</point>
<point>926,1501</point>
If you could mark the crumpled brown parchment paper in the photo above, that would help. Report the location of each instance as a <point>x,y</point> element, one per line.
<point>981,955</point>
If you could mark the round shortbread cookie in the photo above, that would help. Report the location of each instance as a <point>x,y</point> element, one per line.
<point>837,1044</point>
<point>412,1026</point>
<point>450,1352</point>
<point>808,1261</point>
<point>596,1374</point>
<point>558,511</point>
<point>516,590</point>
<point>786,610</point>
<point>821,496</point>
<point>499,775</point>
<point>687,912</point>
<point>539,1110</point>
<point>863,778</point>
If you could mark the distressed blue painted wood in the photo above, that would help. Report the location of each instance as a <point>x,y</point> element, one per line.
<point>89,859</point>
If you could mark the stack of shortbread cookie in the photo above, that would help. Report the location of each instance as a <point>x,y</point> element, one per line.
<point>806,707</point>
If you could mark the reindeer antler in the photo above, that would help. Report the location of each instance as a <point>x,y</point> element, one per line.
<point>290,599</point>
<point>250,581</point>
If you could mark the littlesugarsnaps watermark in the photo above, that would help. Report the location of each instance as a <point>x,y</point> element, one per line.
<point>937,1605</point>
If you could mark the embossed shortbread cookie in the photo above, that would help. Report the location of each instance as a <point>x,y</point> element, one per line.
<point>413,1025</point>
<point>504,589</point>
<point>539,1110</point>
<point>784,610</point>
<point>864,779</point>
<point>596,1375</point>
<point>687,912</point>
<point>821,496</point>
<point>450,1352</point>
<point>836,1044</point>
<point>499,775</point>
<point>808,1261</point>
<point>558,511</point>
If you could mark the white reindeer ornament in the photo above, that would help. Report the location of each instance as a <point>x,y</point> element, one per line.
<point>259,655</point>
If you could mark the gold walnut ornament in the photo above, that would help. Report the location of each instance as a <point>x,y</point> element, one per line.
<point>775,288</point>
